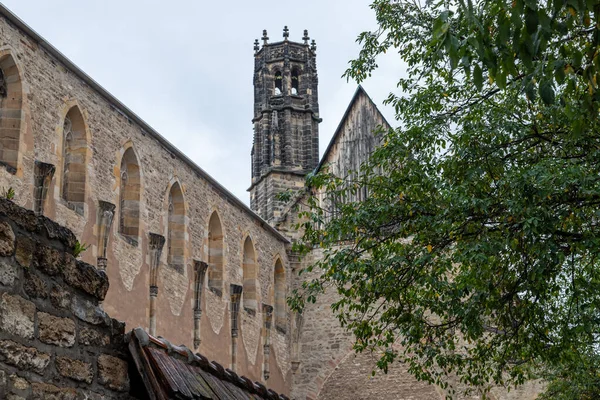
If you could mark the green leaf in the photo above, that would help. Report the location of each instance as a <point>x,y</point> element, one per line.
<point>477,77</point>
<point>547,92</point>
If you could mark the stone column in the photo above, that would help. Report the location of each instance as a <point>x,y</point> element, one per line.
<point>200,268</point>
<point>236,296</point>
<point>155,245</point>
<point>106,213</point>
<point>296,333</point>
<point>267,319</point>
<point>43,174</point>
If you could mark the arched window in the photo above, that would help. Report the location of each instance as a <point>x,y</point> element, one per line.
<point>176,229</point>
<point>295,81</point>
<point>215,254</point>
<point>129,201</point>
<point>278,83</point>
<point>11,103</point>
<point>250,274</point>
<point>74,159</point>
<point>280,308</point>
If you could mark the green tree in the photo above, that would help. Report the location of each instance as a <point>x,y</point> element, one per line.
<point>478,248</point>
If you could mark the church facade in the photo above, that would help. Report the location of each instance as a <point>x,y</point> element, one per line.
<point>185,258</point>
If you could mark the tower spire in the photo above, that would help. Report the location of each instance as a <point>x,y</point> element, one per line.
<point>286,122</point>
<point>305,37</point>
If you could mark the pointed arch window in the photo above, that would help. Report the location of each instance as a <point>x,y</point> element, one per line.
<point>280,303</point>
<point>11,112</point>
<point>215,254</point>
<point>278,83</point>
<point>295,81</point>
<point>74,159</point>
<point>250,273</point>
<point>129,196</point>
<point>176,229</point>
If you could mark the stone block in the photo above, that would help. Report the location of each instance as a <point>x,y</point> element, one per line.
<point>25,250</point>
<point>85,277</point>
<point>86,395</point>
<point>22,357</point>
<point>34,286</point>
<point>89,312</point>
<point>93,337</point>
<point>19,383</point>
<point>7,239</point>
<point>17,316</point>
<point>49,260</point>
<point>8,273</point>
<point>22,217</point>
<point>60,298</point>
<point>55,330</point>
<point>56,231</point>
<point>112,373</point>
<point>74,369</point>
<point>44,391</point>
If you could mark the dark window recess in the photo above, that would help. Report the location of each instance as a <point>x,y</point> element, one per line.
<point>295,82</point>
<point>278,83</point>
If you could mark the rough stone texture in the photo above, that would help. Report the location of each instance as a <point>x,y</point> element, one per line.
<point>8,273</point>
<point>74,369</point>
<point>85,277</point>
<point>112,373</point>
<point>24,252</point>
<point>22,357</point>
<point>34,286</point>
<point>19,383</point>
<point>49,260</point>
<point>60,298</point>
<point>17,316</point>
<point>93,337</point>
<point>55,330</point>
<point>7,239</point>
<point>38,335</point>
<point>88,311</point>
<point>44,391</point>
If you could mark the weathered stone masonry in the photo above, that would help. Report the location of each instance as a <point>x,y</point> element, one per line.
<point>89,163</point>
<point>56,342</point>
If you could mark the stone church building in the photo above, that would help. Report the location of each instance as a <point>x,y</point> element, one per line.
<point>185,258</point>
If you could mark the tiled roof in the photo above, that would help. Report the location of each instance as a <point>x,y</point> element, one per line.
<point>174,372</point>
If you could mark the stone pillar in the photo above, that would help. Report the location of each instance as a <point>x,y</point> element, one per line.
<point>43,174</point>
<point>106,213</point>
<point>155,245</point>
<point>200,268</point>
<point>267,319</point>
<point>236,296</point>
<point>297,329</point>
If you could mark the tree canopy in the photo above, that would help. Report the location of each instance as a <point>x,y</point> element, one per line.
<point>478,247</point>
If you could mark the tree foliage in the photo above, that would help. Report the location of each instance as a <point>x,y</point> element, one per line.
<point>478,248</point>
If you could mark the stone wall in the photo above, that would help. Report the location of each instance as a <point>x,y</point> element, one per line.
<point>52,88</point>
<point>56,342</point>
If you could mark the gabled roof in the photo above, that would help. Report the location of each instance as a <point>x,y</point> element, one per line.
<point>359,90</point>
<point>174,372</point>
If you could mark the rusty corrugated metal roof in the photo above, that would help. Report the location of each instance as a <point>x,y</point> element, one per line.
<point>174,372</point>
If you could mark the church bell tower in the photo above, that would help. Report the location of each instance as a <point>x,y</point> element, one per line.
<point>286,121</point>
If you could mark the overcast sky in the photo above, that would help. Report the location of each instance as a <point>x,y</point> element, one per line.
<point>185,66</point>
